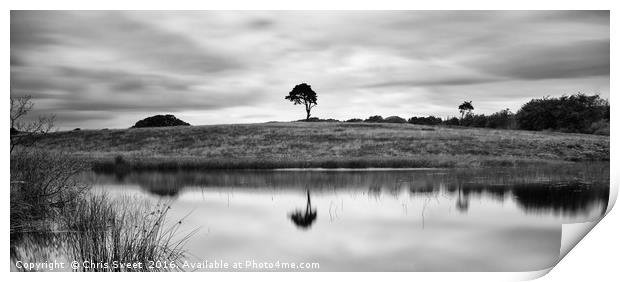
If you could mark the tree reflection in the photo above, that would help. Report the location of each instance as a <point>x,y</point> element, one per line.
<point>304,220</point>
<point>537,190</point>
<point>462,201</point>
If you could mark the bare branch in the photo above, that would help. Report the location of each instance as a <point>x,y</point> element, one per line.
<point>26,133</point>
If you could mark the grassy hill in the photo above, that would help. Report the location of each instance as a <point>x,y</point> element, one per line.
<point>329,145</point>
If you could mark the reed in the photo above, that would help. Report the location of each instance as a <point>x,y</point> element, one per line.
<point>125,230</point>
<point>53,212</point>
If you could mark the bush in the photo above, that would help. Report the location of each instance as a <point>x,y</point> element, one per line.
<point>354,120</point>
<point>160,121</point>
<point>502,119</point>
<point>331,120</point>
<point>575,113</point>
<point>394,119</point>
<point>475,120</point>
<point>374,119</point>
<point>452,121</point>
<point>600,127</point>
<point>431,120</point>
<point>316,119</point>
<point>43,185</point>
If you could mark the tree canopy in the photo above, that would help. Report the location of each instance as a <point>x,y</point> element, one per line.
<point>574,113</point>
<point>466,108</point>
<point>304,95</point>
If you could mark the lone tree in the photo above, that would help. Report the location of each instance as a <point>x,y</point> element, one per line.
<point>466,108</point>
<point>303,94</point>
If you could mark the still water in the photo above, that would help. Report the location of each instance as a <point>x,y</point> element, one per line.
<point>377,220</point>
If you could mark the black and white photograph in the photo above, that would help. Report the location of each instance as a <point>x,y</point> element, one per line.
<point>305,140</point>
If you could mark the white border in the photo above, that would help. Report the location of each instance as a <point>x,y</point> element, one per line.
<point>596,257</point>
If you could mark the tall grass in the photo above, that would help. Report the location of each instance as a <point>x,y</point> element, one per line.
<point>53,212</point>
<point>107,231</point>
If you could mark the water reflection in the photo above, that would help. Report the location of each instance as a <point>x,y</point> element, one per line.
<point>383,220</point>
<point>570,191</point>
<point>304,220</point>
<point>462,202</point>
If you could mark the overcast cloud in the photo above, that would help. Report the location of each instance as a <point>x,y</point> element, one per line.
<point>109,69</point>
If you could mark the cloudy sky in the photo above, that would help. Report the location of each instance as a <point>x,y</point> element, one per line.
<point>109,69</point>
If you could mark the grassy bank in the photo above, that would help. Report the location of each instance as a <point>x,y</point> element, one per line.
<point>327,145</point>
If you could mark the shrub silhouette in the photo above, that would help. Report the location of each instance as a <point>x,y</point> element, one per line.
<point>452,121</point>
<point>474,120</point>
<point>502,119</point>
<point>431,120</point>
<point>374,119</point>
<point>394,119</point>
<point>575,113</point>
<point>600,127</point>
<point>160,121</point>
<point>316,119</point>
<point>354,120</point>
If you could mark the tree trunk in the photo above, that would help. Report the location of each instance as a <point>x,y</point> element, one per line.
<point>308,205</point>
<point>307,114</point>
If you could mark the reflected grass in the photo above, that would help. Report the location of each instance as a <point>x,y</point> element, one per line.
<point>181,163</point>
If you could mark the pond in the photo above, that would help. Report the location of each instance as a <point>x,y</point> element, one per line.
<point>502,219</point>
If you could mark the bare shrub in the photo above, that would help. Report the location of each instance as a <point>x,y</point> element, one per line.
<point>26,133</point>
<point>43,185</point>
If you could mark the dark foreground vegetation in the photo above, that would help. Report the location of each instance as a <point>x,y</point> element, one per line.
<point>55,216</point>
<point>52,212</point>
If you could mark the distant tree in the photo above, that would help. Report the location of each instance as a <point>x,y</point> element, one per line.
<point>465,108</point>
<point>304,95</point>
<point>26,133</point>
